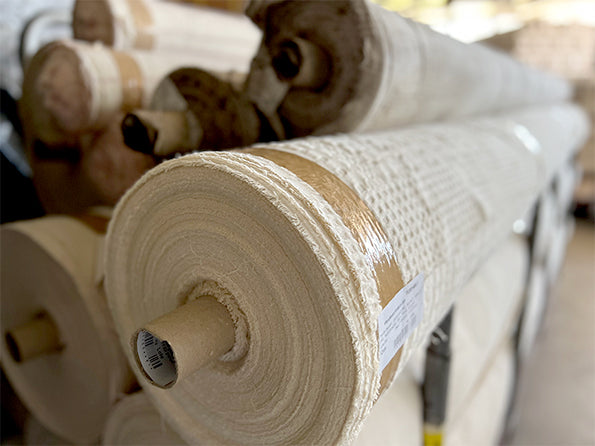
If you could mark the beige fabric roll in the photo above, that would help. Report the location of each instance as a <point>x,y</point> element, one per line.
<point>211,33</point>
<point>483,419</point>
<point>135,421</point>
<point>485,316</point>
<point>51,291</point>
<point>304,243</point>
<point>71,87</point>
<point>35,434</point>
<point>353,66</point>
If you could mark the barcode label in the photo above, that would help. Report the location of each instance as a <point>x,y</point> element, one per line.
<point>399,318</point>
<point>156,358</point>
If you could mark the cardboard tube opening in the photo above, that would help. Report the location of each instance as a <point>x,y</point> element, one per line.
<point>37,337</point>
<point>302,63</point>
<point>161,133</point>
<point>178,343</point>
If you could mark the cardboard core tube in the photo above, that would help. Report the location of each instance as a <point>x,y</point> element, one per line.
<point>161,133</point>
<point>175,345</point>
<point>302,63</point>
<point>37,337</point>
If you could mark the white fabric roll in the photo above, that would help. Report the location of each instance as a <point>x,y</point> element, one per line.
<point>210,33</point>
<point>304,242</point>
<point>557,252</point>
<point>134,421</point>
<point>72,86</point>
<point>483,419</point>
<point>536,301</point>
<point>49,265</point>
<point>564,185</point>
<point>384,71</point>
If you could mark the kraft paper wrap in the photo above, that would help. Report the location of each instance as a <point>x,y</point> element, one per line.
<point>74,87</point>
<point>214,33</point>
<point>51,265</point>
<point>385,71</point>
<point>281,254</point>
<point>134,421</point>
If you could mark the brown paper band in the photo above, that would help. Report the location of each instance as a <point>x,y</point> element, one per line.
<point>142,21</point>
<point>131,79</point>
<point>362,223</point>
<point>95,222</point>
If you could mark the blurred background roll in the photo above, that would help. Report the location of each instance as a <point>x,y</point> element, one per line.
<point>59,350</point>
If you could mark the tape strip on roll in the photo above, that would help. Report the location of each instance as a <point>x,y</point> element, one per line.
<point>360,220</point>
<point>142,20</point>
<point>131,78</point>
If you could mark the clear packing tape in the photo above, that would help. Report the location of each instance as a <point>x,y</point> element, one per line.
<point>60,351</point>
<point>303,243</point>
<point>351,65</point>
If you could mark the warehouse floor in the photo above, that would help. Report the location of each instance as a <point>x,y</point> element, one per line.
<point>556,400</point>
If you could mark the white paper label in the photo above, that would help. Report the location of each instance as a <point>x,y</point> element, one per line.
<point>399,318</point>
<point>156,358</point>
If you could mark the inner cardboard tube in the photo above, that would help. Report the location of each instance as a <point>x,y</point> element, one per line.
<point>38,337</point>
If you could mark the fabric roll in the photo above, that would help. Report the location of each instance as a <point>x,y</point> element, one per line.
<point>564,184</point>
<point>135,421</point>
<point>484,417</point>
<point>205,110</point>
<point>353,66</point>
<point>534,310</point>
<point>59,351</point>
<point>71,87</point>
<point>96,171</point>
<point>485,316</point>
<point>304,243</point>
<point>212,33</point>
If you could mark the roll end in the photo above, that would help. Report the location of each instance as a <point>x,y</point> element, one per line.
<point>35,338</point>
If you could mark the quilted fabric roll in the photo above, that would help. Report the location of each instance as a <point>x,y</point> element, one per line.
<point>59,350</point>
<point>163,25</point>
<point>71,87</point>
<point>249,285</point>
<point>135,421</point>
<point>351,65</point>
<point>194,109</point>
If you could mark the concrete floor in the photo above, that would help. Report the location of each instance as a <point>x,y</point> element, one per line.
<point>556,399</point>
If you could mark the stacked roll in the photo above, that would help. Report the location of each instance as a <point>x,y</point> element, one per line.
<point>59,351</point>
<point>350,65</point>
<point>257,305</point>
<point>211,33</point>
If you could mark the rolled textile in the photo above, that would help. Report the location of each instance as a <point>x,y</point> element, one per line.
<point>213,33</point>
<point>135,421</point>
<point>534,310</point>
<point>564,184</point>
<point>194,109</point>
<point>297,247</point>
<point>59,350</point>
<point>71,87</point>
<point>96,171</point>
<point>485,316</point>
<point>484,417</point>
<point>351,65</point>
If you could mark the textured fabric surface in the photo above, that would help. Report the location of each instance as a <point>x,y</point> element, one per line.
<point>134,421</point>
<point>48,265</point>
<point>229,38</point>
<point>386,71</point>
<point>265,243</point>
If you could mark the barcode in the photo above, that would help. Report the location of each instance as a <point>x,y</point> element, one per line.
<point>155,361</point>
